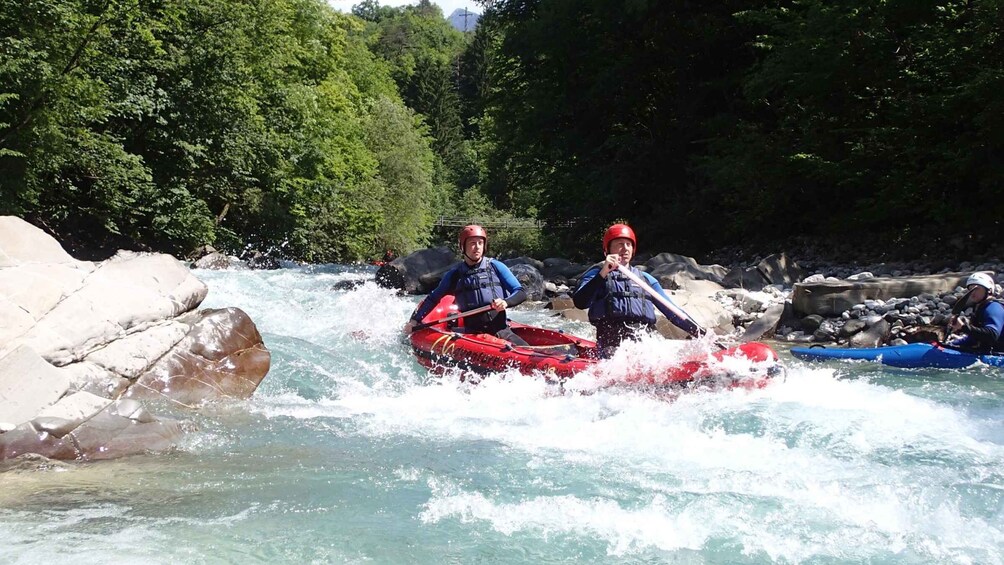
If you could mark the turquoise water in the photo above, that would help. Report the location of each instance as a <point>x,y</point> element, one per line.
<point>351,453</point>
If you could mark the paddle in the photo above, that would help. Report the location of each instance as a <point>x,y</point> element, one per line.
<point>663,300</point>
<point>452,317</point>
<point>957,309</point>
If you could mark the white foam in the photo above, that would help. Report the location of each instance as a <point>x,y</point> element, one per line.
<point>678,520</point>
<point>58,537</point>
<point>624,530</point>
<point>814,466</point>
<point>298,303</point>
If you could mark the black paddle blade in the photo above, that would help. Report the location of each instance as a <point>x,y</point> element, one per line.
<point>962,302</point>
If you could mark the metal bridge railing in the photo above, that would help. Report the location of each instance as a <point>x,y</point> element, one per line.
<point>505,224</point>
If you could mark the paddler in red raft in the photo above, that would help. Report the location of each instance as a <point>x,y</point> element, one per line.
<point>618,307</point>
<point>477,281</point>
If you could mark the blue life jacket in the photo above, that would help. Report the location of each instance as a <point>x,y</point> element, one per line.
<point>478,286</point>
<point>621,300</point>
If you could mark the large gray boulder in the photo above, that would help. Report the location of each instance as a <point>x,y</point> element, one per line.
<point>831,298</point>
<point>78,338</point>
<point>417,273</point>
<point>674,281</point>
<point>539,265</point>
<point>779,269</point>
<point>666,264</point>
<point>875,335</point>
<point>530,279</point>
<point>765,326</point>
<point>556,267</point>
<point>697,299</point>
<point>217,261</point>
<point>564,306</point>
<point>749,278</point>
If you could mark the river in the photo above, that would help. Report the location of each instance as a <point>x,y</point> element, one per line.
<point>350,452</point>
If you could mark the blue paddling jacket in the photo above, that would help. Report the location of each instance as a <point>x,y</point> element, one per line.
<point>985,333</point>
<point>475,286</point>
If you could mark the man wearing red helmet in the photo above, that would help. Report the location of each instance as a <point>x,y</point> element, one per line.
<point>475,282</point>
<point>618,307</point>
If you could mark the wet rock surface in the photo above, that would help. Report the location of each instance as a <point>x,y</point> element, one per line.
<point>417,273</point>
<point>83,345</point>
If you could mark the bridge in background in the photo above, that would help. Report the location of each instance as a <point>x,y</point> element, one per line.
<point>507,224</point>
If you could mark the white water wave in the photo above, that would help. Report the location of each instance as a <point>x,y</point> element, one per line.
<point>679,521</point>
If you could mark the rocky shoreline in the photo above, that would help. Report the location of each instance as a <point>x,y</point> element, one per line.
<point>772,297</point>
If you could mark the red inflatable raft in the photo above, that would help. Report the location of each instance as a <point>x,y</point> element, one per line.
<point>560,356</point>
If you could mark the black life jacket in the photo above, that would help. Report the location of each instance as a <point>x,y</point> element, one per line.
<point>622,300</point>
<point>478,286</point>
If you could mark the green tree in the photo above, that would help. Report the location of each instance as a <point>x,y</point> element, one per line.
<point>598,106</point>
<point>405,175</point>
<point>129,122</point>
<point>883,107</point>
<point>715,123</point>
<point>423,52</point>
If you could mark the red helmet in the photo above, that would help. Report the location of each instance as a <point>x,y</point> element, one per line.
<point>616,231</point>
<point>470,231</point>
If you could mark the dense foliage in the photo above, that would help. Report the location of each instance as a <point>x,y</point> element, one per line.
<point>286,124</point>
<point>715,123</point>
<point>171,124</point>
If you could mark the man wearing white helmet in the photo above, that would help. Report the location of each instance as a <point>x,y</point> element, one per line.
<point>984,333</point>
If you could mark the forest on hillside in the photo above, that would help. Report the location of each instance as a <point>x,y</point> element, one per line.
<point>287,126</point>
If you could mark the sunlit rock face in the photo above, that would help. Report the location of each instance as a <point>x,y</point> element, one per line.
<point>81,344</point>
<point>221,356</point>
<point>829,298</point>
<point>84,426</point>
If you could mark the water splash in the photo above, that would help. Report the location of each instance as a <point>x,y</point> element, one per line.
<point>351,451</point>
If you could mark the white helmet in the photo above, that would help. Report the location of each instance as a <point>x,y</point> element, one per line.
<point>982,279</point>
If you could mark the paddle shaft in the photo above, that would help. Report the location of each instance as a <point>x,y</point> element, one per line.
<point>452,317</point>
<point>658,297</point>
<point>664,301</point>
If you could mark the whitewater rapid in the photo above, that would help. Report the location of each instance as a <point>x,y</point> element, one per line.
<point>350,452</point>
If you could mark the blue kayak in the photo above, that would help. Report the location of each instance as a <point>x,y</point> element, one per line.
<point>913,355</point>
